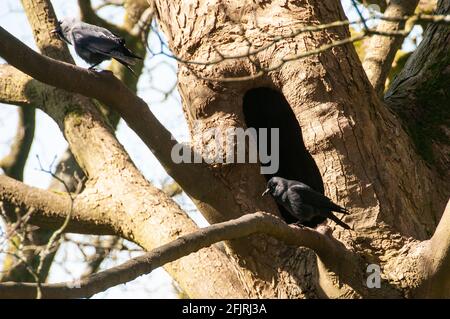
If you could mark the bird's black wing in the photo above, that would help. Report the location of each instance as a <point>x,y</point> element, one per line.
<point>308,196</point>
<point>102,41</point>
<point>95,39</point>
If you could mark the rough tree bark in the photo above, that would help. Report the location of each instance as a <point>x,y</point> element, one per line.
<point>366,159</point>
<point>419,96</point>
<point>97,151</point>
<point>341,138</point>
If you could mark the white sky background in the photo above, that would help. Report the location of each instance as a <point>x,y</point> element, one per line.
<point>49,142</point>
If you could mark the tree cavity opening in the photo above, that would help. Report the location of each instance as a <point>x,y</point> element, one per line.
<point>266,108</point>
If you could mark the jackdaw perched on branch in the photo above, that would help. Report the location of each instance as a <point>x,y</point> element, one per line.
<point>303,202</point>
<point>95,44</point>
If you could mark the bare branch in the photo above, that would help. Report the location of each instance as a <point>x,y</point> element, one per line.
<point>13,164</point>
<point>103,248</point>
<point>106,3</point>
<point>331,252</point>
<point>381,49</point>
<point>436,262</point>
<point>251,52</point>
<point>283,61</point>
<point>135,32</point>
<point>51,209</point>
<point>55,236</point>
<point>90,16</point>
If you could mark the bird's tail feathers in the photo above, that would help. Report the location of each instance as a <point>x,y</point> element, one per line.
<point>122,58</point>
<point>130,54</point>
<point>125,64</point>
<point>126,57</point>
<point>131,70</point>
<point>339,222</point>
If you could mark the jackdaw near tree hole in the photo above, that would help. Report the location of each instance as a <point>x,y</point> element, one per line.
<point>95,44</point>
<point>303,202</point>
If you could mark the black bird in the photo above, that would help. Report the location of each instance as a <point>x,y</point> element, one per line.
<point>95,44</point>
<point>303,202</point>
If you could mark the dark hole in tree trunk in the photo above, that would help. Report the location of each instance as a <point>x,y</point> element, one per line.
<point>267,108</point>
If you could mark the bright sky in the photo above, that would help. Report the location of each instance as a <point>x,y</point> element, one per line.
<point>49,143</point>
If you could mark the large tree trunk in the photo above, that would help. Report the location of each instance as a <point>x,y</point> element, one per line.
<point>139,210</point>
<point>366,160</point>
<point>335,134</point>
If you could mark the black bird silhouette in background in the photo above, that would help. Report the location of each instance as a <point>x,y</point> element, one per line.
<point>95,44</point>
<point>304,203</point>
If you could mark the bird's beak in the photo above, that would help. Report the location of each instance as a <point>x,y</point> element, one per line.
<point>265,192</point>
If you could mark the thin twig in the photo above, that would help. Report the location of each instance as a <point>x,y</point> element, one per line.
<point>55,236</point>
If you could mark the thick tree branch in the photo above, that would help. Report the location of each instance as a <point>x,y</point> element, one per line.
<point>42,19</point>
<point>436,262</point>
<point>13,86</point>
<point>331,252</point>
<point>50,208</point>
<point>109,90</point>
<point>382,49</point>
